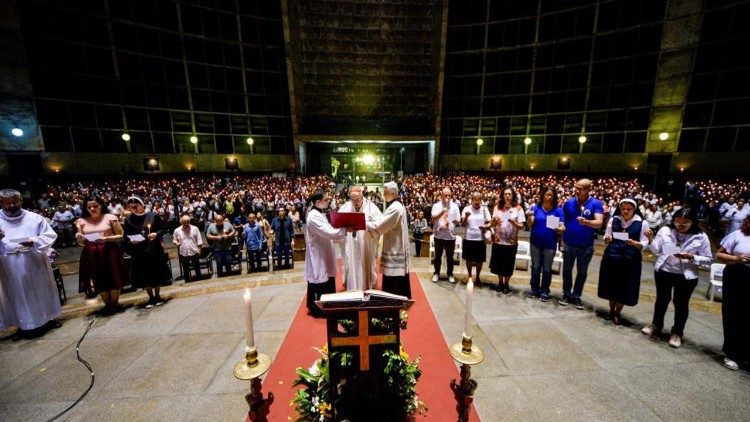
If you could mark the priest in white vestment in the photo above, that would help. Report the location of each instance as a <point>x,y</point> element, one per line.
<point>361,247</point>
<point>28,293</point>
<point>394,227</point>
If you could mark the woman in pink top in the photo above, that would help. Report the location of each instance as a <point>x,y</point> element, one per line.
<point>102,269</point>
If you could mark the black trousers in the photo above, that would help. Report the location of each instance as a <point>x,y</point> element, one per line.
<point>397,285</point>
<point>734,316</point>
<point>315,290</point>
<point>253,257</point>
<point>418,238</point>
<point>186,262</point>
<point>448,246</point>
<point>683,289</point>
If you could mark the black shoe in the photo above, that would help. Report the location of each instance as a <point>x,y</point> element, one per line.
<point>532,294</point>
<point>54,324</point>
<point>578,303</point>
<point>544,297</point>
<point>478,283</point>
<point>499,288</point>
<point>506,290</point>
<point>565,301</point>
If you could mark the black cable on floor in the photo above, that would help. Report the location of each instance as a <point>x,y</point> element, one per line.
<point>86,364</point>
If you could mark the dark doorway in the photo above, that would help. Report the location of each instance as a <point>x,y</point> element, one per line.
<point>660,165</point>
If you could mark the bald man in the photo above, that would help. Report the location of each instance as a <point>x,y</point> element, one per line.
<point>445,217</point>
<point>188,240</point>
<point>584,215</point>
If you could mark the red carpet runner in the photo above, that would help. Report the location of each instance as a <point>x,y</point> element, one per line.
<point>422,338</point>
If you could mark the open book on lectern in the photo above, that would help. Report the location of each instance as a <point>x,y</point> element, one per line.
<point>360,296</point>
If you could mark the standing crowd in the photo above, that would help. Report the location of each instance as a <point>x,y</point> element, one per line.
<point>564,216</point>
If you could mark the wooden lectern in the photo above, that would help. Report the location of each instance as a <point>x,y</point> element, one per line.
<point>365,328</point>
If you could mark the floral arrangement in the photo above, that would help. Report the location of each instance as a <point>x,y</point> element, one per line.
<point>314,402</point>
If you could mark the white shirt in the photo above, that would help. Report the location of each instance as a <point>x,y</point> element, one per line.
<point>696,244</point>
<point>445,227</point>
<point>190,241</point>
<point>477,219</point>
<point>506,233</point>
<point>737,243</point>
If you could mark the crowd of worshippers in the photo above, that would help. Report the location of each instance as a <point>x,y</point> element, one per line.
<point>567,221</point>
<point>564,215</point>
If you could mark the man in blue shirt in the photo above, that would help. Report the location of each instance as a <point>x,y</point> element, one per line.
<point>282,229</point>
<point>254,240</point>
<point>584,215</point>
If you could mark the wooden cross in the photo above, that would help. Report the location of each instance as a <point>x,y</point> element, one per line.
<point>363,340</point>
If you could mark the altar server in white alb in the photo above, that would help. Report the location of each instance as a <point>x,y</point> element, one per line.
<point>320,253</point>
<point>361,247</point>
<point>28,294</point>
<point>394,258</point>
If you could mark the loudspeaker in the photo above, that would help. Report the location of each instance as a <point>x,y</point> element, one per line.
<point>151,164</point>
<point>563,163</point>
<point>231,164</point>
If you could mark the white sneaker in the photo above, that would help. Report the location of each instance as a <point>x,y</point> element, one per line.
<point>435,278</point>
<point>648,330</point>
<point>730,364</point>
<point>452,280</point>
<point>675,341</point>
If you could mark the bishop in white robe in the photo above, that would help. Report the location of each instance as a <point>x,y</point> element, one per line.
<point>28,293</point>
<point>360,250</point>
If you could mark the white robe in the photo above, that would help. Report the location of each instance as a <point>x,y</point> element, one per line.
<point>320,254</point>
<point>360,252</point>
<point>28,293</point>
<point>393,225</point>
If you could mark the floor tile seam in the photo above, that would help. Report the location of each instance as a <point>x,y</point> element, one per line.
<point>219,368</point>
<point>116,376</point>
<point>58,352</point>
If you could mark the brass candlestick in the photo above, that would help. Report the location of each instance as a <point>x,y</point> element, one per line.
<point>253,365</point>
<point>466,354</point>
<point>251,368</point>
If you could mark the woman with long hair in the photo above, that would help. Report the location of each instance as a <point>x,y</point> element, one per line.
<point>735,253</point>
<point>101,269</point>
<point>507,218</point>
<point>620,272</point>
<point>680,249</point>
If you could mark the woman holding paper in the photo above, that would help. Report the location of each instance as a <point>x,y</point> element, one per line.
<point>144,231</point>
<point>680,249</point>
<point>101,269</point>
<point>620,272</point>
<point>507,218</point>
<point>546,224</point>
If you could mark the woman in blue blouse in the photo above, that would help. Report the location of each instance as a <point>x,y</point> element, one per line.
<point>544,241</point>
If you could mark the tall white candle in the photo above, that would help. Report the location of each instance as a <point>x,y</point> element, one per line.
<point>250,336</point>
<point>467,320</point>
